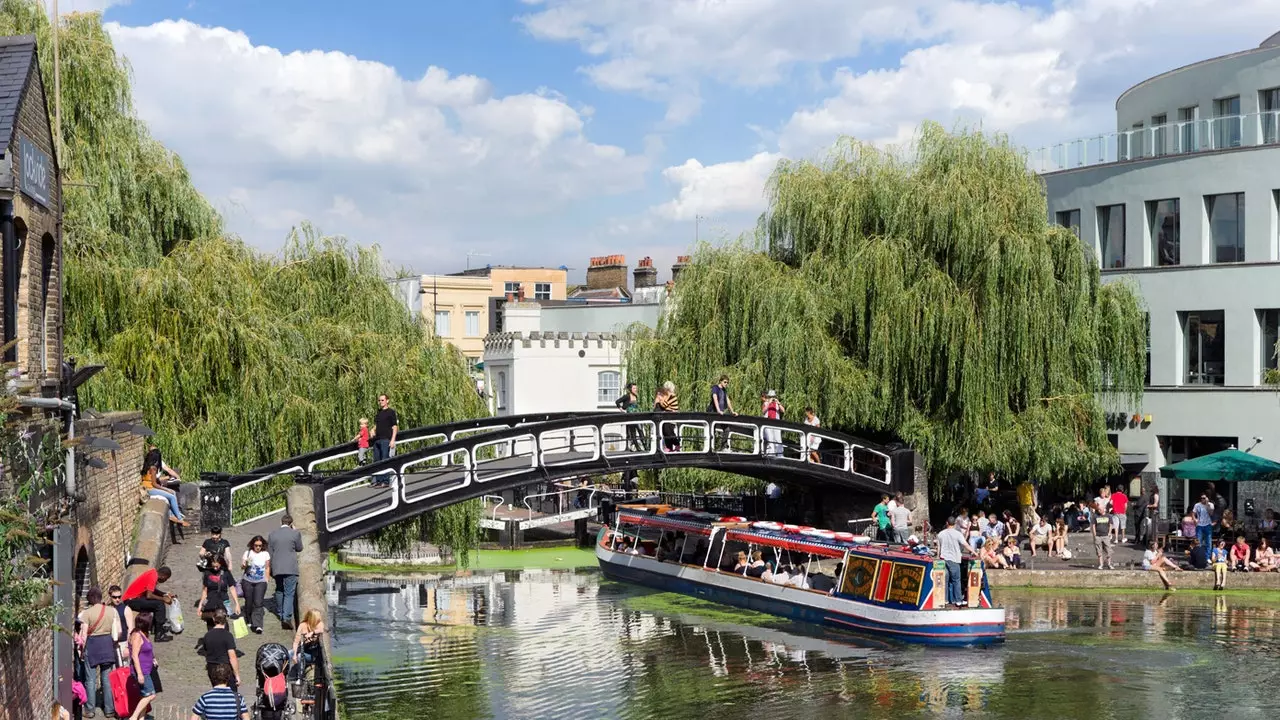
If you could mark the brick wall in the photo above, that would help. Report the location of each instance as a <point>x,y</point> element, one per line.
<point>26,683</point>
<point>39,300</point>
<point>106,519</point>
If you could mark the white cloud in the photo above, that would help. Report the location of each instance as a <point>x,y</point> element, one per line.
<point>427,167</point>
<point>717,190</point>
<point>1041,75</point>
<point>663,49</point>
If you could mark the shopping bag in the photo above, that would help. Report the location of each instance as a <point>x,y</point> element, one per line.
<point>239,628</point>
<point>175,618</point>
<point>125,691</point>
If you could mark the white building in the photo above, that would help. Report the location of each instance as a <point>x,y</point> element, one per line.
<point>568,356</point>
<point>1183,200</point>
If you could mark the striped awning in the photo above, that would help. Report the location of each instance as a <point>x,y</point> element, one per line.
<point>665,523</point>
<point>790,541</point>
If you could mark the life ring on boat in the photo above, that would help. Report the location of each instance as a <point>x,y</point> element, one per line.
<point>733,519</point>
<point>791,528</point>
<point>843,536</point>
<point>818,533</point>
<point>860,540</point>
<point>766,525</point>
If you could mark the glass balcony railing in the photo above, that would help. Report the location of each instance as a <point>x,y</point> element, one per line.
<point>1182,138</point>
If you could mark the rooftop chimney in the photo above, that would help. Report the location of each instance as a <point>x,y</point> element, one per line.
<point>646,274</point>
<point>607,272</point>
<point>681,261</point>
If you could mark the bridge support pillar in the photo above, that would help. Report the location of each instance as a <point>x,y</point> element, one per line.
<point>313,564</point>
<point>580,532</point>
<point>512,537</point>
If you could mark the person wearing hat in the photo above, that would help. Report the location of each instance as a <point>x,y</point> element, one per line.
<point>772,409</point>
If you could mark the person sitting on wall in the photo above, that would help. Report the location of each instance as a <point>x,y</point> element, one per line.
<point>1240,553</point>
<point>1197,555</point>
<point>166,476</point>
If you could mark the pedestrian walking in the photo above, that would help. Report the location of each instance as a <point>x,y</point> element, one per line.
<point>99,628</point>
<point>142,659</point>
<point>1119,515</point>
<point>629,402</point>
<point>218,592</point>
<point>221,702</point>
<point>220,649</point>
<point>386,426</point>
<point>362,441</point>
<point>255,565</point>
<point>1101,527</point>
<point>814,442</point>
<point>668,401</point>
<point>284,543</point>
<point>1203,514</point>
<point>772,409</point>
<point>721,405</point>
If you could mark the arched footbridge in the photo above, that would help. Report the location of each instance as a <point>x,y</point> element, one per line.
<point>443,465</point>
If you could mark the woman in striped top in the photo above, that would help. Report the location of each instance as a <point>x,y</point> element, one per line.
<point>668,401</point>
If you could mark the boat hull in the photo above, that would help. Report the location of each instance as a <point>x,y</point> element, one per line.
<point>926,627</point>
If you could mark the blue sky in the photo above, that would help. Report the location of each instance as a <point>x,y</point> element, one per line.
<point>547,131</point>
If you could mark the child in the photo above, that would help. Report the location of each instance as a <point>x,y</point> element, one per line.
<point>362,440</point>
<point>1240,555</point>
<point>1219,560</point>
<point>1011,552</point>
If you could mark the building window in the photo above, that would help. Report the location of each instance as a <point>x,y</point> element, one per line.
<point>1226,122</point>
<point>1111,235</point>
<point>1269,104</point>
<point>1070,219</point>
<point>48,296</point>
<point>609,387</point>
<point>542,291</point>
<point>1204,344</point>
<point>442,323</point>
<point>502,390</point>
<point>1269,335</point>
<point>1226,226</point>
<point>1165,227</point>
<point>1188,129</point>
<point>473,323</point>
<point>1159,136</point>
<point>511,288</point>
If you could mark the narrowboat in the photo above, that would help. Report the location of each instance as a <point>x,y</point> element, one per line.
<point>832,579</point>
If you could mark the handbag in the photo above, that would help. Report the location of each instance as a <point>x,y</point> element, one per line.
<point>239,628</point>
<point>155,679</point>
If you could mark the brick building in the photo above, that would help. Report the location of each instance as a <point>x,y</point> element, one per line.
<point>37,670</point>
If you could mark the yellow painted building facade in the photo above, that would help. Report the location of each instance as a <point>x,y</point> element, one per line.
<point>456,307</point>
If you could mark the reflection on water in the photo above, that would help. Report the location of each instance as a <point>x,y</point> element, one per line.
<point>567,644</point>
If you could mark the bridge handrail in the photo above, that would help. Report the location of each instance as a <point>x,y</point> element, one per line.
<point>303,461</point>
<point>395,464</point>
<point>561,493</point>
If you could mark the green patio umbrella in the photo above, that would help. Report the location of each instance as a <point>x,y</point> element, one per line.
<point>1229,465</point>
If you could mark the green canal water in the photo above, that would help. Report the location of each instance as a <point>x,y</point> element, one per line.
<point>568,644</point>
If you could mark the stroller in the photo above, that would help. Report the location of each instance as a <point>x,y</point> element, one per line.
<point>271,665</point>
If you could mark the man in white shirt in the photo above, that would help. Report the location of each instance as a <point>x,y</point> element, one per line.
<point>798,580</point>
<point>951,545</point>
<point>780,576</point>
<point>901,517</point>
<point>1039,534</point>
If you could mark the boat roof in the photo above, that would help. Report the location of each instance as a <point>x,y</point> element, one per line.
<point>793,538</point>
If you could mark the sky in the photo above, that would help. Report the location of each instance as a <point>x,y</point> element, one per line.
<point>543,132</point>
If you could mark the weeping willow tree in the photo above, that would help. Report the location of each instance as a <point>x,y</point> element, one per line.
<point>235,357</point>
<point>919,293</point>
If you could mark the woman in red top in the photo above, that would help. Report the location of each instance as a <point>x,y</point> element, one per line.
<point>772,409</point>
<point>1240,555</point>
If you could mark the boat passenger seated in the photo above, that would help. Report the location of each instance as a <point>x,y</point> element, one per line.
<point>797,579</point>
<point>740,566</point>
<point>757,567</point>
<point>825,583</point>
<point>667,551</point>
<point>698,555</point>
<point>780,576</point>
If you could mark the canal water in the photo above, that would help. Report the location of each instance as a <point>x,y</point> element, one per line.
<point>570,644</point>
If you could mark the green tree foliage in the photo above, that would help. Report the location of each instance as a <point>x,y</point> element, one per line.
<point>236,358</point>
<point>920,293</point>
<point>31,462</point>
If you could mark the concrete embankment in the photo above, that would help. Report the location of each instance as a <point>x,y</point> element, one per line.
<point>1127,579</point>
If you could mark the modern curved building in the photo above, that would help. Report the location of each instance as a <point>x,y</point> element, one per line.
<point>1183,201</point>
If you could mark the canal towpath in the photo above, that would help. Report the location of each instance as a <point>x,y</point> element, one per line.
<point>182,669</point>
